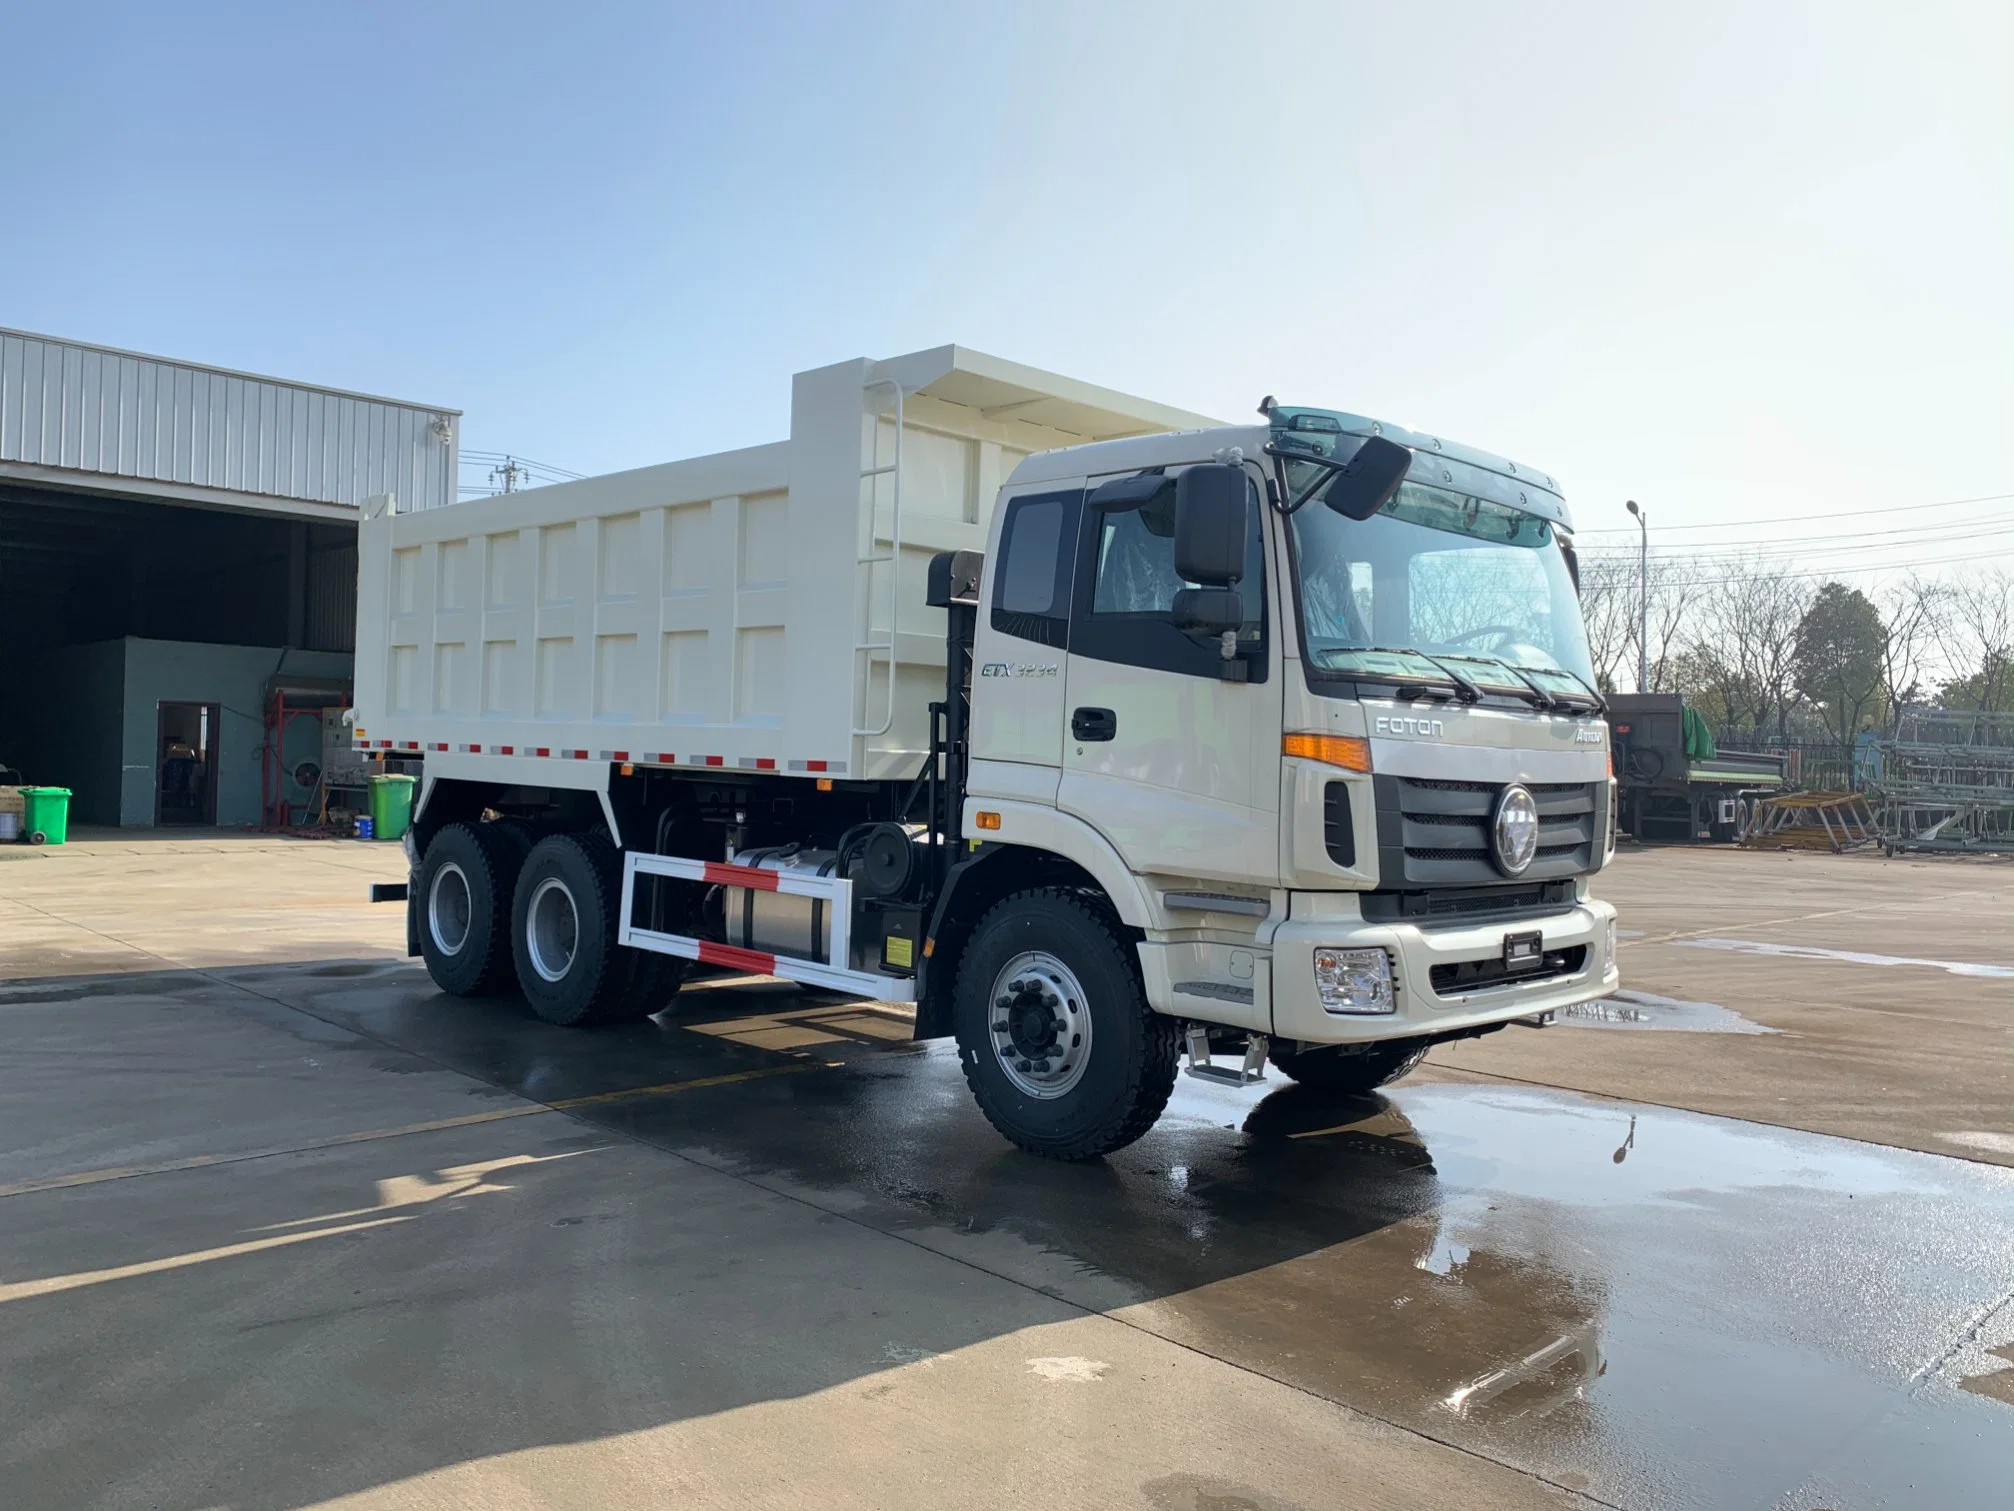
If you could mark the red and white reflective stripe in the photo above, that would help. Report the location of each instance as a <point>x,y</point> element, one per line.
<point>837,891</point>
<point>711,760</point>
<point>756,878</point>
<point>472,750</point>
<point>755,962</point>
<point>384,744</point>
<point>615,755</point>
<point>440,747</point>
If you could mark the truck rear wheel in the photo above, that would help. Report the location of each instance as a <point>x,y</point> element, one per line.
<point>563,926</point>
<point>1054,1033</point>
<point>1349,1069</point>
<point>465,884</point>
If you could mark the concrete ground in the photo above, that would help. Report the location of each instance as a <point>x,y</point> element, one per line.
<point>282,1226</point>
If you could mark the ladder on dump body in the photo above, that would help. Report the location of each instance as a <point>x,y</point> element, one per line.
<point>872,559</point>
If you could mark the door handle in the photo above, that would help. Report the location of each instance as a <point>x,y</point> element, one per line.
<point>1094,723</point>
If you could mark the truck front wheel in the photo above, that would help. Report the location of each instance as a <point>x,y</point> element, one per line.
<point>1054,1033</point>
<point>1350,1069</point>
<point>464,906</point>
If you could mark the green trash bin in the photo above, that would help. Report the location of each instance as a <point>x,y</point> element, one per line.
<point>45,815</point>
<point>391,805</point>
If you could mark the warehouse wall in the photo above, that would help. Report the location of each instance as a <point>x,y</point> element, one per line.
<point>60,721</point>
<point>234,676</point>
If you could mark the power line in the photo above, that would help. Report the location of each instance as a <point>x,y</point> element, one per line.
<point>1891,566</point>
<point>1799,519</point>
<point>1996,518</point>
<point>498,457</point>
<point>1788,551</point>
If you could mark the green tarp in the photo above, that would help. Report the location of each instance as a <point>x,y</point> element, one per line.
<point>1699,744</point>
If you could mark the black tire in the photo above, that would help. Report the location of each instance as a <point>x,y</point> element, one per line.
<point>1128,1071</point>
<point>648,987</point>
<point>1349,1069</point>
<point>577,975</point>
<point>463,907</point>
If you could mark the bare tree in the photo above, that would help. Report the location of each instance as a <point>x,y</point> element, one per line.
<point>1978,634</point>
<point>1913,613</point>
<point>1608,604</point>
<point>1741,642</point>
<point>1676,583</point>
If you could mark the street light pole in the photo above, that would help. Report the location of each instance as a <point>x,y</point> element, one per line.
<point>1642,596</point>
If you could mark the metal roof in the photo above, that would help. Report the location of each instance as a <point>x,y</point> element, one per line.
<point>77,415</point>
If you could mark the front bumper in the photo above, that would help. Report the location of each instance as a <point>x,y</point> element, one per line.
<point>1415,950</point>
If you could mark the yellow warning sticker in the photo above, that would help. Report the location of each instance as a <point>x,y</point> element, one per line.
<point>896,951</point>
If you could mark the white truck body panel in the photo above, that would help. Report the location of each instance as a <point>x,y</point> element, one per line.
<point>734,610</point>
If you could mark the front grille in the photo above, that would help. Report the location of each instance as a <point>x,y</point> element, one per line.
<point>1475,975</point>
<point>1339,833</point>
<point>1437,833</point>
<point>1520,900</point>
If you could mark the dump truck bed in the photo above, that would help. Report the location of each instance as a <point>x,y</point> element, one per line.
<point>739,610</point>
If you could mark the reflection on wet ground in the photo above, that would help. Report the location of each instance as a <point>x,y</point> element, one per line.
<point>1654,1307</point>
<point>1629,1009</point>
<point>1850,957</point>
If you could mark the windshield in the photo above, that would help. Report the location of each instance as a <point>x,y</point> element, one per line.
<point>1439,587</point>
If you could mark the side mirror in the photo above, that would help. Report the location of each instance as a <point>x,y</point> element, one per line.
<point>1117,495</point>
<point>1210,525</point>
<point>1209,611</point>
<point>1371,477</point>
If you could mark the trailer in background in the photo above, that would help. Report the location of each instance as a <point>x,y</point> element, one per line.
<point>1674,783</point>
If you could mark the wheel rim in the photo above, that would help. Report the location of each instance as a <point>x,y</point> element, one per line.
<point>449,909</point>
<point>1039,1023</point>
<point>552,929</point>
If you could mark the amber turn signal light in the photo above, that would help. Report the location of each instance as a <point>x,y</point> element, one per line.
<point>1351,752</point>
<point>986,820</point>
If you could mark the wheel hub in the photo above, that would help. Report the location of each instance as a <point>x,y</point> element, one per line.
<point>552,929</point>
<point>1040,1025</point>
<point>449,909</point>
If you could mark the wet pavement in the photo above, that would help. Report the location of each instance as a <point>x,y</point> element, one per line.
<point>277,1234</point>
<point>1651,1307</point>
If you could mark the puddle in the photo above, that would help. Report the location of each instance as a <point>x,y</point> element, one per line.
<point>1627,1009</point>
<point>1852,957</point>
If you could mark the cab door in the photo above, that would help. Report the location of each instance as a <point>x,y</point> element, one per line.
<point>1018,650</point>
<point>1174,763</point>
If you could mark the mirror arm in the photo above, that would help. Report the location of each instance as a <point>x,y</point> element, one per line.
<point>1293,504</point>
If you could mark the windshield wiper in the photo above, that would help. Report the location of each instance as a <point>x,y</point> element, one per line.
<point>1597,703</point>
<point>1466,690</point>
<point>1547,702</point>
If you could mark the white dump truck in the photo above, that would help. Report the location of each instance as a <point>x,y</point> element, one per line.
<point>1107,735</point>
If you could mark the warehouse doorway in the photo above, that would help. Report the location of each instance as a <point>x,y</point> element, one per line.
<point>185,770</point>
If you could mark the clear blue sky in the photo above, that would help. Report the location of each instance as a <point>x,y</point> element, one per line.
<point>1738,262</point>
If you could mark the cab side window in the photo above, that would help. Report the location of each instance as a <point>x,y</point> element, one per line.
<point>1038,553</point>
<point>1126,595</point>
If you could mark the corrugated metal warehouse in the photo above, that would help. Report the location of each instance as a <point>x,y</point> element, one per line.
<point>178,575</point>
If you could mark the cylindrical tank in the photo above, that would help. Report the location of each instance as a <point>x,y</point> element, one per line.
<point>777,922</point>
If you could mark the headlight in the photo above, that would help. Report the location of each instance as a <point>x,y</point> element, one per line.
<point>1354,981</point>
<point>1609,939</point>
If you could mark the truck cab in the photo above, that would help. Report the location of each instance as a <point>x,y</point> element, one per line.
<point>1357,809</point>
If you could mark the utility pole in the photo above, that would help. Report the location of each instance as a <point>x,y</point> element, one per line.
<point>508,474</point>
<point>1642,597</point>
